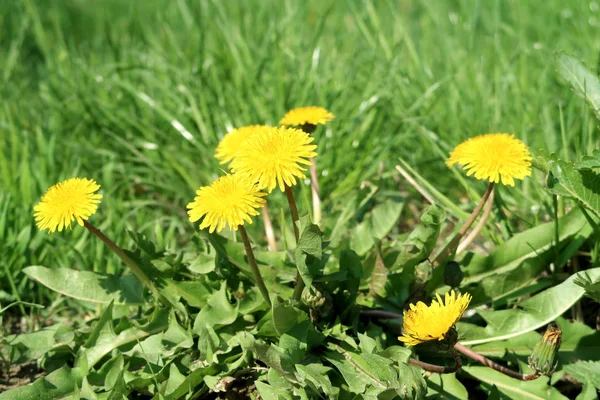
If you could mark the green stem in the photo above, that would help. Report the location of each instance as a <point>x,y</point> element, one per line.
<point>252,261</point>
<point>135,269</point>
<point>451,246</point>
<point>295,219</point>
<point>489,363</point>
<point>314,185</point>
<point>438,369</point>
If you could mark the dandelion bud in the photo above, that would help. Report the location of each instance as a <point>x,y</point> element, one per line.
<point>542,360</point>
<point>319,303</point>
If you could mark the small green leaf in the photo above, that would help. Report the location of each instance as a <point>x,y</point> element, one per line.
<point>537,389</point>
<point>268,392</point>
<point>57,384</point>
<point>532,243</point>
<point>204,263</point>
<point>421,241</point>
<point>584,82</point>
<point>446,386</point>
<point>309,250</point>
<point>286,316</point>
<point>89,286</point>
<point>585,371</point>
<point>589,162</point>
<point>218,311</point>
<point>580,185</point>
<point>591,287</point>
<point>530,315</point>
<point>412,385</point>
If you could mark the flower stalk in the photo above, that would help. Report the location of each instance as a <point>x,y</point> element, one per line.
<point>295,220</point>
<point>489,363</point>
<point>252,261</point>
<point>480,224</point>
<point>269,232</point>
<point>135,269</point>
<point>452,245</point>
<point>439,369</point>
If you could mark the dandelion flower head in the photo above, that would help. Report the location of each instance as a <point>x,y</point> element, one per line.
<point>494,157</point>
<point>274,157</point>
<point>229,200</point>
<point>71,200</point>
<point>307,115</point>
<point>424,323</point>
<point>231,142</point>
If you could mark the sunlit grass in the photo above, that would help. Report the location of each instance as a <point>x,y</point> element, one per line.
<point>138,94</point>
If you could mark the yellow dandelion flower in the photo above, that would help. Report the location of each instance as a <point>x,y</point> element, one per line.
<point>230,200</point>
<point>424,323</point>
<point>65,202</point>
<point>307,115</point>
<point>231,142</point>
<point>274,157</point>
<point>494,157</point>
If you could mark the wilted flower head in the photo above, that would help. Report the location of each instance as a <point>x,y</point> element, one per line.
<point>307,115</point>
<point>274,157</point>
<point>229,200</point>
<point>424,323</point>
<point>543,358</point>
<point>496,157</point>
<point>232,141</point>
<point>65,202</point>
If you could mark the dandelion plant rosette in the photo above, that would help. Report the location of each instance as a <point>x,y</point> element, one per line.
<point>495,157</point>
<point>424,323</point>
<point>66,202</point>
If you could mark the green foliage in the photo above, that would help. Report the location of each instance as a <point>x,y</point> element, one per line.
<point>585,372</point>
<point>138,95</point>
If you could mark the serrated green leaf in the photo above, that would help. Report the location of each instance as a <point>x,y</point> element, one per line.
<point>218,311</point>
<point>579,342</point>
<point>591,287</point>
<point>89,286</point>
<point>584,82</point>
<point>268,392</point>
<point>412,385</point>
<point>32,346</point>
<point>421,241</point>
<point>286,316</point>
<point>445,386</point>
<point>585,371</point>
<point>309,250</point>
<point>580,185</point>
<point>531,314</point>
<point>204,263</point>
<point>103,339</point>
<point>537,389</point>
<point>315,375</point>
<point>532,243</point>
<point>57,384</point>
<point>588,392</point>
<point>589,162</point>
<point>376,224</point>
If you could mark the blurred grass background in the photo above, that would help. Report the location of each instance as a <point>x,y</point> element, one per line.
<point>136,94</point>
